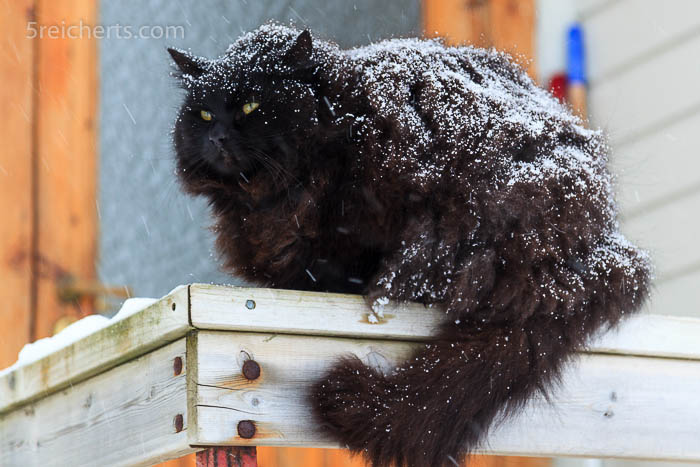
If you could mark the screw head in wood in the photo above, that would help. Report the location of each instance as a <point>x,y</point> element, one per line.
<point>250,304</point>
<point>246,429</point>
<point>179,423</point>
<point>177,366</point>
<point>251,369</point>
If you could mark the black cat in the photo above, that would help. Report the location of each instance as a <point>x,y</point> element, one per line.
<point>411,171</point>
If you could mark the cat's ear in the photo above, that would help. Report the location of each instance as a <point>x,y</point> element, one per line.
<point>187,63</point>
<point>299,54</point>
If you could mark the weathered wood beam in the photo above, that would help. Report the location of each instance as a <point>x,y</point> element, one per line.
<point>322,314</point>
<point>163,322</point>
<point>202,306</point>
<point>607,406</point>
<point>135,414</point>
<point>245,381</point>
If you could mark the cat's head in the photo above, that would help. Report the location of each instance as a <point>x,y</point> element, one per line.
<point>250,111</point>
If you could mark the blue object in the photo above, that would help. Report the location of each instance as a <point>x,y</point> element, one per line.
<point>575,55</point>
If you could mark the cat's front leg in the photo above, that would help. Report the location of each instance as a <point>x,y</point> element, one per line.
<point>419,270</point>
<point>430,270</point>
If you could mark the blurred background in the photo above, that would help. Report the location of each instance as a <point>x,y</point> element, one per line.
<point>91,211</point>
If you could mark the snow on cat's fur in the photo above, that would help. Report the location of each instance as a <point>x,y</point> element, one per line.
<point>408,170</point>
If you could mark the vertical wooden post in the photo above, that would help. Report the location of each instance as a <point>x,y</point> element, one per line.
<point>66,157</point>
<point>16,176</point>
<point>228,456</point>
<point>507,25</point>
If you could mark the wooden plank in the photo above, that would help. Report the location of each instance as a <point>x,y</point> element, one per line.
<point>670,232</point>
<point>312,313</point>
<point>457,21</point>
<point>133,415</point>
<point>275,401</point>
<point>507,25</point>
<point>626,34</point>
<point>67,161</point>
<point>513,30</point>
<point>653,336</point>
<point>680,295</point>
<point>658,168</point>
<point>587,8</point>
<point>163,322</point>
<point>648,96</point>
<point>601,397</point>
<point>309,313</point>
<point>16,169</point>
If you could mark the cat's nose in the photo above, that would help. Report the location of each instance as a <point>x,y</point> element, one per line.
<point>217,136</point>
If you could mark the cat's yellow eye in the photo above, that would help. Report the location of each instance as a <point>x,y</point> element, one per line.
<point>206,115</point>
<point>249,107</point>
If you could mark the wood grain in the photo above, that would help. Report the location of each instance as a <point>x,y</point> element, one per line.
<point>507,25</point>
<point>277,311</point>
<point>127,416</point>
<point>310,313</point>
<point>163,322</point>
<point>513,30</point>
<point>601,397</point>
<point>66,148</point>
<point>16,180</point>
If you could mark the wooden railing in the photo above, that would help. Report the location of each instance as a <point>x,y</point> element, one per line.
<point>212,366</point>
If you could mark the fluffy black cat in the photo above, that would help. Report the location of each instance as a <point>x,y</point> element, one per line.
<point>407,170</point>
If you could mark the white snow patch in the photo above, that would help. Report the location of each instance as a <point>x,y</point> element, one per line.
<point>84,327</point>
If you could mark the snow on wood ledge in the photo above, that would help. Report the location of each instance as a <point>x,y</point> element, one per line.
<point>172,374</point>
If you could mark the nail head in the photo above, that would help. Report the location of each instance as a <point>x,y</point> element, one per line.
<point>246,429</point>
<point>179,423</point>
<point>251,369</point>
<point>177,366</point>
<point>250,304</point>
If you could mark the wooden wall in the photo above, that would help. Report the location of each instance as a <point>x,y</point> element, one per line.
<point>16,177</point>
<point>47,165</point>
<point>507,25</point>
<point>643,61</point>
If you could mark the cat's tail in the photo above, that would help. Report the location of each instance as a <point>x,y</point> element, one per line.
<point>437,407</point>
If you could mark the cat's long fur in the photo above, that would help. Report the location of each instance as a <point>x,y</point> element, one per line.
<point>411,171</point>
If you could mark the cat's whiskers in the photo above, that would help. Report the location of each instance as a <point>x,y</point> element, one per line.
<point>278,172</point>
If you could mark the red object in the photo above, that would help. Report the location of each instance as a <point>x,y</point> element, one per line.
<point>557,86</point>
<point>228,456</point>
